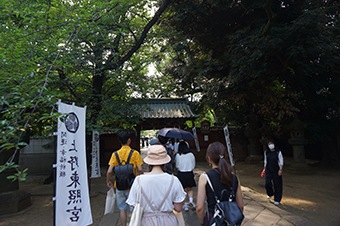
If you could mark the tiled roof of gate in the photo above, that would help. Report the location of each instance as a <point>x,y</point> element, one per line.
<point>162,108</point>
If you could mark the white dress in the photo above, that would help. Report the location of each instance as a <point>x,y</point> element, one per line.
<point>156,188</point>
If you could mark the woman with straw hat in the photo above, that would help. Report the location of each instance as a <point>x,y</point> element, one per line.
<point>161,193</point>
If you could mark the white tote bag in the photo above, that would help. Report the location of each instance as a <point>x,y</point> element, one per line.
<point>137,213</point>
<point>180,218</point>
<point>110,201</point>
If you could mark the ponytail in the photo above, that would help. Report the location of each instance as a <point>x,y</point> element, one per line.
<point>217,153</point>
<point>225,172</point>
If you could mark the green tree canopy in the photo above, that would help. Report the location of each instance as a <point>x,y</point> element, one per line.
<point>278,59</point>
<point>93,53</point>
<point>274,58</point>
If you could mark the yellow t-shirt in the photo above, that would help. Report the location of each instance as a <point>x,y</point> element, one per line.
<point>123,155</point>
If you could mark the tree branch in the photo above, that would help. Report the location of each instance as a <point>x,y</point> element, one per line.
<point>271,17</point>
<point>140,41</point>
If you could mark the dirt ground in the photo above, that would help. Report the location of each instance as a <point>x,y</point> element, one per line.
<point>41,211</point>
<point>315,196</point>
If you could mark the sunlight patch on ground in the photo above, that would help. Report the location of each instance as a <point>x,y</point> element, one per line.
<point>294,202</point>
<point>13,222</point>
<point>299,202</point>
<point>49,204</point>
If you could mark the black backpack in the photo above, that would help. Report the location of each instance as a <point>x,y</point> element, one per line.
<point>124,173</point>
<point>226,213</point>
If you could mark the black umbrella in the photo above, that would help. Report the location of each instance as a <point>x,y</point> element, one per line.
<point>176,133</point>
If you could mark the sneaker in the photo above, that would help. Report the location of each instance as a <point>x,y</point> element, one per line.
<point>276,203</point>
<point>192,206</point>
<point>269,197</point>
<point>185,207</point>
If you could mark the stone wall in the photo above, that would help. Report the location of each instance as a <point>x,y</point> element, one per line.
<point>38,156</point>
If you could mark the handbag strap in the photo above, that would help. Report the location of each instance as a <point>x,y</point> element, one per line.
<point>212,188</point>
<point>231,189</point>
<point>139,189</point>
<point>164,198</point>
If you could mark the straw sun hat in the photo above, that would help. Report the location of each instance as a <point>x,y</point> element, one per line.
<point>157,155</point>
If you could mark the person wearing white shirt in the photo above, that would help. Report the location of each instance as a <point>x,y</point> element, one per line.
<point>185,163</point>
<point>170,144</point>
<point>273,168</point>
<point>161,193</point>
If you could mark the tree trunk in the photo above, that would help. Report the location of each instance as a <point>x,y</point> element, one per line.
<point>96,98</point>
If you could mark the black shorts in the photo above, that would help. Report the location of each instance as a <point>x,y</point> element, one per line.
<point>187,179</point>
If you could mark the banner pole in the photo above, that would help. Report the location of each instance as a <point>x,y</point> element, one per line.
<point>89,186</point>
<point>55,141</point>
<point>54,180</point>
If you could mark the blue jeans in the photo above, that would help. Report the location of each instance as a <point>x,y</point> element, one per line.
<point>121,197</point>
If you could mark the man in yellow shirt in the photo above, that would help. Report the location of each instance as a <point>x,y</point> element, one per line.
<point>123,153</point>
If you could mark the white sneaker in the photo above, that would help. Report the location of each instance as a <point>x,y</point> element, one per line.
<point>192,206</point>
<point>185,207</point>
<point>269,197</point>
<point>276,203</point>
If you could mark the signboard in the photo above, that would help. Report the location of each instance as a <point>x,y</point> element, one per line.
<point>95,165</point>
<point>205,127</point>
<point>227,139</point>
<point>196,139</point>
<point>72,201</point>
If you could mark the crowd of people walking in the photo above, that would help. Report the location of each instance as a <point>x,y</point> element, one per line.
<point>167,188</point>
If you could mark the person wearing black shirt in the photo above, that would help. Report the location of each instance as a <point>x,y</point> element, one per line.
<point>221,177</point>
<point>273,168</point>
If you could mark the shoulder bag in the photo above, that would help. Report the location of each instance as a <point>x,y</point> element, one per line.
<point>137,213</point>
<point>226,213</point>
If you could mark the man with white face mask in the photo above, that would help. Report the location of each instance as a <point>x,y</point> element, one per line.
<point>273,164</point>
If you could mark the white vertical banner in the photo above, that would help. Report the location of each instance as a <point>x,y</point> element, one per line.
<point>72,199</point>
<point>227,139</point>
<point>95,165</point>
<point>196,139</point>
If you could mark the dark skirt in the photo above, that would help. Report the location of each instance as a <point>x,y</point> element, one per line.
<point>187,179</point>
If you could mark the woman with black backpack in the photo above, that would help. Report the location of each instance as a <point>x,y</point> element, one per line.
<point>221,178</point>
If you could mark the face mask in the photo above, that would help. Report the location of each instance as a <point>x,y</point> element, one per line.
<point>271,146</point>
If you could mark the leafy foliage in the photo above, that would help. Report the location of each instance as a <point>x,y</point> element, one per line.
<point>274,58</point>
<point>77,51</point>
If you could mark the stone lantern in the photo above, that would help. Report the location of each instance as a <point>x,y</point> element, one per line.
<point>298,142</point>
